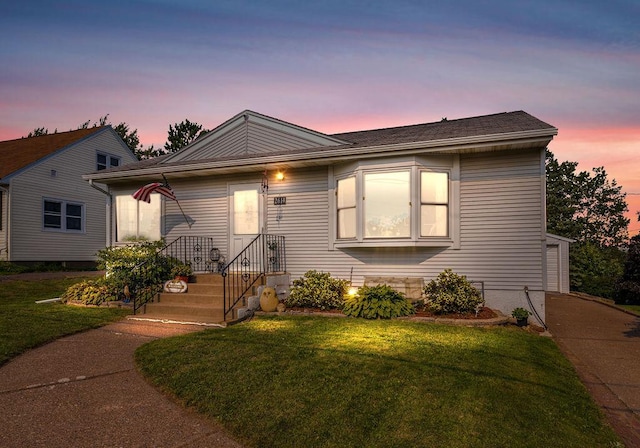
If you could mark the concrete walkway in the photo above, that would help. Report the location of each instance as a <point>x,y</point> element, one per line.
<point>84,391</point>
<point>603,343</point>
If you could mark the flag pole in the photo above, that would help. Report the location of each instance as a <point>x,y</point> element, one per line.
<point>166,182</point>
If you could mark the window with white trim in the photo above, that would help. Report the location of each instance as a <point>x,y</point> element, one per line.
<point>63,216</point>
<point>408,204</point>
<point>104,161</point>
<point>346,204</point>
<point>137,220</point>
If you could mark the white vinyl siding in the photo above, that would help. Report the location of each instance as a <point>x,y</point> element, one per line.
<point>4,207</point>
<point>60,176</point>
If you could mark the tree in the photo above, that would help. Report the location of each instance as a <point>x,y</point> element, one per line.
<point>585,206</point>
<point>181,134</point>
<point>38,132</point>
<point>628,288</point>
<point>588,208</point>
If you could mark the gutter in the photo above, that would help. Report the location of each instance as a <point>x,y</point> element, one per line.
<point>440,146</point>
<point>108,213</point>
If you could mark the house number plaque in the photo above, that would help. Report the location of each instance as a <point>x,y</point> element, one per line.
<point>280,200</point>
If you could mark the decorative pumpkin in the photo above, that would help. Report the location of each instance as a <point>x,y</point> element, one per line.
<point>268,300</point>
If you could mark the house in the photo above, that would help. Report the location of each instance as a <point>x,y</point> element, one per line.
<point>397,203</point>
<point>48,213</point>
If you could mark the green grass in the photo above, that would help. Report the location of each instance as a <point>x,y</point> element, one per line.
<point>634,308</point>
<point>25,324</point>
<point>330,382</point>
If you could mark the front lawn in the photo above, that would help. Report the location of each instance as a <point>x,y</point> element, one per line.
<point>334,382</point>
<point>25,324</point>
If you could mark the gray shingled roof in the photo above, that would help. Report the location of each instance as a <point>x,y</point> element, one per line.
<point>486,125</point>
<point>501,123</point>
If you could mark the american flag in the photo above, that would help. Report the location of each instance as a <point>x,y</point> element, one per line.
<point>144,193</point>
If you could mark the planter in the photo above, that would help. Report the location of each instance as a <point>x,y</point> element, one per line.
<point>522,322</point>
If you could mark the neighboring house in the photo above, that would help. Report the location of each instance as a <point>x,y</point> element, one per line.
<point>407,201</point>
<point>48,213</point>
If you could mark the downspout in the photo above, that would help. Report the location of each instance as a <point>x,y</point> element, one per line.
<point>109,211</point>
<point>7,227</point>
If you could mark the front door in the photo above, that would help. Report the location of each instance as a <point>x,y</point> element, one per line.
<point>246,216</point>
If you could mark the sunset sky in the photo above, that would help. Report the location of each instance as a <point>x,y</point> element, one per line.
<point>331,66</point>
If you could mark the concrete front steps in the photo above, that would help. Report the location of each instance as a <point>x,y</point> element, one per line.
<point>202,303</point>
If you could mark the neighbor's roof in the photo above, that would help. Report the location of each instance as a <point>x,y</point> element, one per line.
<point>20,153</point>
<point>444,135</point>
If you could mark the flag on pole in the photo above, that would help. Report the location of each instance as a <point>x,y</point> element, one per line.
<point>144,193</point>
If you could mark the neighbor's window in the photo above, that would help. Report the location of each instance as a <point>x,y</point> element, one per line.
<point>406,204</point>
<point>346,201</point>
<point>137,220</point>
<point>63,215</point>
<point>105,161</point>
<point>434,204</point>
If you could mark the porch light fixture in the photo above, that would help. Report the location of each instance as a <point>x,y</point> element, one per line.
<point>279,176</point>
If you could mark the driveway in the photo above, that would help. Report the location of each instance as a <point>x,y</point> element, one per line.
<point>84,391</point>
<point>603,343</point>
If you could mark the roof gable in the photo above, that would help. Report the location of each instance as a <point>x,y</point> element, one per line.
<point>252,134</point>
<point>18,154</point>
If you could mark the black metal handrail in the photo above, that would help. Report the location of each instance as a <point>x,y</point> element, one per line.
<point>264,255</point>
<point>148,277</point>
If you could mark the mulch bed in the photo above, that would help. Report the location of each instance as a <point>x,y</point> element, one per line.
<point>485,313</point>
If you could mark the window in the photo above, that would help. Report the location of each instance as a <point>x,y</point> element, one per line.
<point>63,216</point>
<point>387,205</point>
<point>434,200</point>
<point>105,161</point>
<point>137,220</point>
<point>403,205</point>
<point>347,207</point>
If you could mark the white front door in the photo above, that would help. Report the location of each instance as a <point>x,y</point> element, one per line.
<point>246,216</point>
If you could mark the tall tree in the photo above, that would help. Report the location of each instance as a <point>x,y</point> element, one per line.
<point>181,134</point>
<point>585,206</point>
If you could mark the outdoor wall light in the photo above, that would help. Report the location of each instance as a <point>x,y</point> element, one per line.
<point>279,176</point>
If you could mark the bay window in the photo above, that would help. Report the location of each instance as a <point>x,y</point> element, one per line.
<point>399,204</point>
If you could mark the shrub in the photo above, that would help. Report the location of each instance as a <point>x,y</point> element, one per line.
<point>451,293</point>
<point>374,302</point>
<point>90,292</point>
<point>318,290</point>
<point>138,265</point>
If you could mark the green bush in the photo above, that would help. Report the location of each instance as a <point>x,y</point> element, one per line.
<point>451,293</point>
<point>375,302</point>
<point>138,265</point>
<point>318,290</point>
<point>90,292</point>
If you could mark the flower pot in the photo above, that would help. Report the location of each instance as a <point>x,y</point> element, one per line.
<point>521,322</point>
